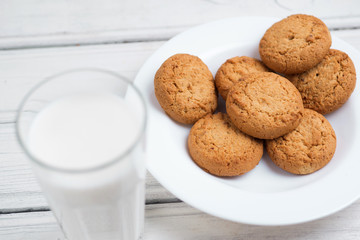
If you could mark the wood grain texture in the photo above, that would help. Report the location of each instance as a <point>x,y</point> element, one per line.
<point>39,23</point>
<point>178,221</point>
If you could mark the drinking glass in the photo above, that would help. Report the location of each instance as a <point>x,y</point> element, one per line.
<point>102,202</point>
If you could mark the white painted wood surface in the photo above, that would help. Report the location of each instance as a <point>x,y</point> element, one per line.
<point>33,23</point>
<point>105,26</point>
<point>178,221</point>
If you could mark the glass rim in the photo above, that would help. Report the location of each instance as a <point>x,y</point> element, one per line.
<point>108,163</point>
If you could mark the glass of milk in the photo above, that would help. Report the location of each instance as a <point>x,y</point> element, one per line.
<point>83,131</point>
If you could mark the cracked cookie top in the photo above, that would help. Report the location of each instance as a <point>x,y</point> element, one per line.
<point>185,88</point>
<point>265,105</point>
<point>233,70</point>
<point>295,44</point>
<point>307,148</point>
<point>328,85</point>
<point>218,147</point>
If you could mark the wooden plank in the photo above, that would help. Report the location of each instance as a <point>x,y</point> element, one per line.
<point>177,221</point>
<point>39,23</point>
<point>32,225</point>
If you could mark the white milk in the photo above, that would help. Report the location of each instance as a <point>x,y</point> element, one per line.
<point>87,131</point>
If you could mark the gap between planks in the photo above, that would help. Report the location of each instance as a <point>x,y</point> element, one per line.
<point>46,209</point>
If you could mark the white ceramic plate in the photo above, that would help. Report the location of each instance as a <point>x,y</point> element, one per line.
<point>267,195</point>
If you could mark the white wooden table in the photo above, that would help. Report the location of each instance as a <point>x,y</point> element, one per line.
<point>39,38</point>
